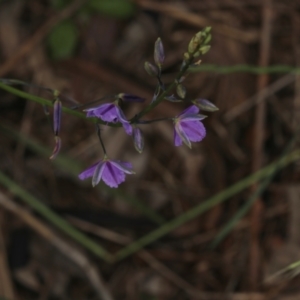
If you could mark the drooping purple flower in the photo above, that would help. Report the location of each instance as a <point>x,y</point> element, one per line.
<point>110,171</point>
<point>110,112</point>
<point>188,127</point>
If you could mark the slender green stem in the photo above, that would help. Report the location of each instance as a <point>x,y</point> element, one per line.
<point>47,102</point>
<point>55,219</point>
<point>245,69</point>
<point>203,207</point>
<point>163,94</point>
<point>261,188</point>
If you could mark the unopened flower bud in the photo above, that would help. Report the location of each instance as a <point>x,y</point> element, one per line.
<point>204,49</point>
<point>56,147</point>
<point>186,56</point>
<point>56,116</point>
<point>138,139</point>
<point>207,39</point>
<point>172,98</point>
<point>159,54</point>
<point>181,91</point>
<point>130,98</point>
<point>151,69</point>
<point>194,43</point>
<point>205,105</point>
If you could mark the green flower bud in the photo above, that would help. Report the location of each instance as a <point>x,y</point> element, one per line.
<point>181,91</point>
<point>159,54</point>
<point>151,69</point>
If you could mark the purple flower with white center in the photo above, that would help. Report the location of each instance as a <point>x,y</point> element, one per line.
<point>110,171</point>
<point>188,127</point>
<point>110,112</point>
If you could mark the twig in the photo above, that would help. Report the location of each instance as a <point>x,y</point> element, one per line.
<point>257,151</point>
<point>6,287</point>
<point>262,95</point>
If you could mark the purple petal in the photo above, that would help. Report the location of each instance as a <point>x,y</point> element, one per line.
<point>121,118</point>
<point>120,115</point>
<point>56,116</point>
<point>112,175</point>
<point>127,127</point>
<point>99,171</point>
<point>194,130</point>
<point>190,110</point>
<point>106,112</point>
<point>192,117</point>
<point>88,172</point>
<point>177,139</point>
<point>182,134</point>
<point>125,167</point>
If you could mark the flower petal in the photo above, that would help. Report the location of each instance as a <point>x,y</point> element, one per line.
<point>112,175</point>
<point>125,167</point>
<point>183,136</point>
<point>99,171</point>
<point>88,172</point>
<point>193,117</point>
<point>106,112</point>
<point>194,130</point>
<point>177,139</point>
<point>190,110</point>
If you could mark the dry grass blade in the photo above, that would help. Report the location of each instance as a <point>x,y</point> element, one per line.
<point>68,250</point>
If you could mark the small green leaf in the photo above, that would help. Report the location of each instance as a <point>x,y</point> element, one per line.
<point>62,40</point>
<point>114,8</point>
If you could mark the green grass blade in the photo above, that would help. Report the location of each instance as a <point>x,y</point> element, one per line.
<point>208,204</point>
<point>53,218</point>
<point>275,69</point>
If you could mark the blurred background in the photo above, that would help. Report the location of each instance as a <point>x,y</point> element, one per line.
<point>60,238</point>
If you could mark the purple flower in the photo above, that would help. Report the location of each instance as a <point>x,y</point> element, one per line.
<point>110,112</point>
<point>188,127</point>
<point>110,171</point>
